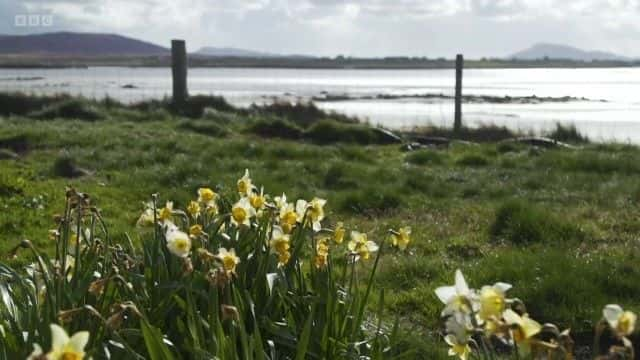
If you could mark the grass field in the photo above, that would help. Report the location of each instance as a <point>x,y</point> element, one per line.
<point>559,224</point>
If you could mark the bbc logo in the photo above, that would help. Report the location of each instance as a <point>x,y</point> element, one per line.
<point>32,20</point>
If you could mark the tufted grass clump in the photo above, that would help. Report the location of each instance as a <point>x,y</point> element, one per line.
<point>425,157</point>
<point>520,223</point>
<point>80,109</point>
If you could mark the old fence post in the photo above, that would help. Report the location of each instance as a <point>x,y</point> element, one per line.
<point>457,122</point>
<point>179,71</point>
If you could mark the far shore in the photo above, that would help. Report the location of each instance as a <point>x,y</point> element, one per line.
<point>392,63</point>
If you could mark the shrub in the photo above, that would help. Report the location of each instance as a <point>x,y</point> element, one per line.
<point>275,128</point>
<point>520,223</point>
<point>70,109</point>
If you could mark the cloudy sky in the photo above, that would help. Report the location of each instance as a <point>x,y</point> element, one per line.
<point>351,27</point>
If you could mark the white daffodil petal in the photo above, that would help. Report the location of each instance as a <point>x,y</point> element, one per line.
<point>502,287</point>
<point>79,340</point>
<point>461,284</point>
<point>59,337</point>
<point>446,293</point>
<point>612,313</point>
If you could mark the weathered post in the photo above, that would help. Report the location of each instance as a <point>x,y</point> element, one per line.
<point>457,122</point>
<point>179,72</point>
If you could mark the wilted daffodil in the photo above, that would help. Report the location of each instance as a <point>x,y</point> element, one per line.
<point>228,259</point>
<point>178,243</point>
<point>338,233</point>
<point>64,347</point>
<point>457,298</point>
<point>322,253</point>
<point>244,184</point>
<point>524,328</point>
<point>242,212</point>
<point>279,244</point>
<point>359,245</point>
<point>401,238</point>
<point>620,321</point>
<point>492,301</point>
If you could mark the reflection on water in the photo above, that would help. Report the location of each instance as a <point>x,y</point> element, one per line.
<point>617,118</point>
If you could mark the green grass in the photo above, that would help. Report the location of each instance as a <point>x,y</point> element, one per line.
<point>567,242</point>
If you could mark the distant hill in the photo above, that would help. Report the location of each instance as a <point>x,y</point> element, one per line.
<point>555,51</point>
<point>73,43</point>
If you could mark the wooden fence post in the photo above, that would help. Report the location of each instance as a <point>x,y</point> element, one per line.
<point>457,122</point>
<point>179,71</point>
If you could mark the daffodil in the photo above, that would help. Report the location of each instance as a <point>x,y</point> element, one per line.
<point>166,212</point>
<point>178,243</point>
<point>244,184</point>
<point>280,243</point>
<point>242,212</point>
<point>280,201</point>
<point>492,301</point>
<point>457,298</point>
<point>622,322</point>
<point>64,347</point>
<point>361,246</point>
<point>196,230</point>
<point>338,233</point>
<point>228,259</point>
<point>458,327</point>
<point>193,209</point>
<point>316,213</point>
<point>524,328</point>
<point>457,348</point>
<point>401,238</point>
<point>147,217</point>
<point>206,195</point>
<point>288,217</point>
<point>257,200</point>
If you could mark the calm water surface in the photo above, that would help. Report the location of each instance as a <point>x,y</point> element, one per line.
<point>613,113</point>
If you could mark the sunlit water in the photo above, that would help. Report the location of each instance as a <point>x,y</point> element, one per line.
<point>616,118</point>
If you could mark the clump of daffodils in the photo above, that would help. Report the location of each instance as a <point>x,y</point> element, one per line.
<point>477,318</point>
<point>188,232</point>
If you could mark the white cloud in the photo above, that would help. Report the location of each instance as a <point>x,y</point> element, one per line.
<point>359,27</point>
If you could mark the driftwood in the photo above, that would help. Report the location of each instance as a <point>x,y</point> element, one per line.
<point>386,136</point>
